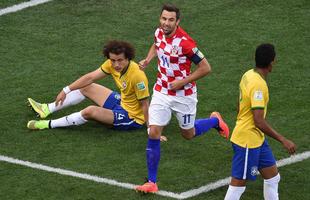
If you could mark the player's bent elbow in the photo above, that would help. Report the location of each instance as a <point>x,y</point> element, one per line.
<point>207,69</point>
<point>259,123</point>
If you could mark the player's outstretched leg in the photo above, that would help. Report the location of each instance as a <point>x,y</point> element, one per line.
<point>40,108</point>
<point>222,128</point>
<point>74,119</point>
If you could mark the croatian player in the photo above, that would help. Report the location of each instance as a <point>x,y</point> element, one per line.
<point>252,153</point>
<point>175,90</point>
<point>125,111</point>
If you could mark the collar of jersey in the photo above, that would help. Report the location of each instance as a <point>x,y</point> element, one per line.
<point>125,70</point>
<point>259,74</point>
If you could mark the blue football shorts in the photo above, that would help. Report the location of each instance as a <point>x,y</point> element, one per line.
<point>247,162</point>
<point>121,118</point>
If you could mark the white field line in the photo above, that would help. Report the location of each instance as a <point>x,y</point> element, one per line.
<point>220,183</point>
<point>183,195</point>
<point>21,6</point>
<point>79,175</point>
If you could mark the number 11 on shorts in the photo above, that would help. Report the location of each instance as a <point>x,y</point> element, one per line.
<point>186,119</point>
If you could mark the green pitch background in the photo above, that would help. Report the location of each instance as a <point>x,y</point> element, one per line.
<point>46,47</point>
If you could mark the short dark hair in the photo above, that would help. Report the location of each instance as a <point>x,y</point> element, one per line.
<point>171,8</point>
<point>117,47</point>
<point>264,55</point>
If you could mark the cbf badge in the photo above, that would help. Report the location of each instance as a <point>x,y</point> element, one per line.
<point>254,171</point>
<point>124,84</point>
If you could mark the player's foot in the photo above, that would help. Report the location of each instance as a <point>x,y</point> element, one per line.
<point>222,128</point>
<point>148,187</point>
<point>38,124</point>
<point>41,109</point>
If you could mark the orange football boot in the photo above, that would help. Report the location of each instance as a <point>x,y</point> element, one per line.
<point>148,187</point>
<point>223,129</point>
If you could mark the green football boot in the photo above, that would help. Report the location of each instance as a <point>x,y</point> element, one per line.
<point>41,109</point>
<point>38,124</point>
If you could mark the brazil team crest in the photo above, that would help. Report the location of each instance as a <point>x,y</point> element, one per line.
<point>254,171</point>
<point>124,84</point>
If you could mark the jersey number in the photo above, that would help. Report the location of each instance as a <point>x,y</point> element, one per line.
<point>164,60</point>
<point>120,116</point>
<point>186,119</point>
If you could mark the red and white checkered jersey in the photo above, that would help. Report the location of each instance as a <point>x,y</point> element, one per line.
<point>174,61</point>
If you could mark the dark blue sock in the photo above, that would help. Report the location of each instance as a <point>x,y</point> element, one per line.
<point>203,125</point>
<point>152,158</point>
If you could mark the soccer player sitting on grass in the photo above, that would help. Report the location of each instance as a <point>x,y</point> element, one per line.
<point>252,153</point>
<point>125,111</point>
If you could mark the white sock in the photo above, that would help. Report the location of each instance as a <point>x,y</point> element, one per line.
<point>74,97</point>
<point>271,188</point>
<point>69,120</point>
<point>234,192</point>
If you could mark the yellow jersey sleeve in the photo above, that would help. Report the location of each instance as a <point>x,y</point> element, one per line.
<point>106,67</point>
<point>258,96</point>
<point>141,86</point>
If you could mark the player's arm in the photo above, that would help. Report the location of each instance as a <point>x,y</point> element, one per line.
<point>263,125</point>
<point>203,69</point>
<point>151,54</point>
<point>144,103</point>
<point>83,81</point>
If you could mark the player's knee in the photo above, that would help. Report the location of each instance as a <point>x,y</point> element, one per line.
<point>188,134</point>
<point>154,133</point>
<point>274,180</point>
<point>89,112</point>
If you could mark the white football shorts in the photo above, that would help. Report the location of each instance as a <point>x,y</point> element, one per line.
<point>162,105</point>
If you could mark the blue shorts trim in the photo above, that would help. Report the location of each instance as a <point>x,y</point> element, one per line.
<point>247,162</point>
<point>121,117</point>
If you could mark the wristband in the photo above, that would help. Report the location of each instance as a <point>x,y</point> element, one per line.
<point>66,90</point>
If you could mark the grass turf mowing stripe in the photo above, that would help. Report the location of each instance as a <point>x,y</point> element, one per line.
<point>22,6</point>
<point>184,195</point>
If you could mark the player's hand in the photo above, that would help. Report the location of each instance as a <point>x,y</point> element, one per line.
<point>143,64</point>
<point>60,98</point>
<point>176,84</point>
<point>289,145</point>
<point>163,138</point>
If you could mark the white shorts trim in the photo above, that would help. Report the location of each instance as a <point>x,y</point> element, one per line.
<point>246,163</point>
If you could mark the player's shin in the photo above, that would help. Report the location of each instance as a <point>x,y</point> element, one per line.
<point>70,120</point>
<point>152,157</point>
<point>74,97</point>
<point>271,188</point>
<point>204,125</point>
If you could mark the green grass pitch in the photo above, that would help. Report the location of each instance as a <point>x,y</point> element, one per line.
<point>46,47</point>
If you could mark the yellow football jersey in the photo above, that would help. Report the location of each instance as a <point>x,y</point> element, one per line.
<point>133,85</point>
<point>253,95</point>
